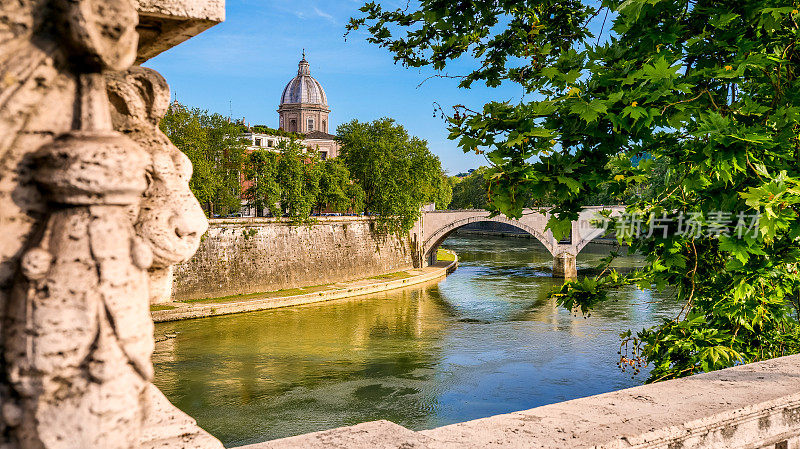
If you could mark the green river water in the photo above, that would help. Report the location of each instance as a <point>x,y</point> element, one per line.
<point>483,341</point>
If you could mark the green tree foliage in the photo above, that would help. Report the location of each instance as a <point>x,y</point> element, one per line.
<point>299,176</point>
<point>263,129</point>
<point>397,171</point>
<point>264,191</point>
<point>290,182</point>
<point>470,191</point>
<point>338,193</point>
<point>213,145</point>
<point>707,89</point>
<point>444,193</point>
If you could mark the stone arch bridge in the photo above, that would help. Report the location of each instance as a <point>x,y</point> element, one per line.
<point>437,225</point>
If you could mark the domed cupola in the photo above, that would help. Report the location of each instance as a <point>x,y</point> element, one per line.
<point>304,105</point>
<point>304,88</point>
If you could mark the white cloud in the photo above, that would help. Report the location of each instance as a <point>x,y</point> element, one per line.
<point>324,15</point>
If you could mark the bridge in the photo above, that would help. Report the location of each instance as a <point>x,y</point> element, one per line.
<point>437,225</point>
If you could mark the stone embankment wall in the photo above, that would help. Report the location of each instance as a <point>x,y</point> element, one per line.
<point>240,256</point>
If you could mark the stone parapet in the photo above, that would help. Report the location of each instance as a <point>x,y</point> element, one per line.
<point>755,406</point>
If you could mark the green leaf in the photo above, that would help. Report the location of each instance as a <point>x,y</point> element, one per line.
<point>560,228</point>
<point>574,186</point>
<point>589,112</point>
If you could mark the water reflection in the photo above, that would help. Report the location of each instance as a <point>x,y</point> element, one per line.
<point>484,341</point>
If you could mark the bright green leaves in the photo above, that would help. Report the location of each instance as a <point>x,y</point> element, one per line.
<point>397,171</point>
<point>635,112</point>
<point>633,8</point>
<point>590,111</point>
<point>470,192</point>
<point>740,248</point>
<point>581,295</point>
<point>778,201</point>
<point>717,357</point>
<point>212,144</point>
<point>298,181</point>
<point>559,227</point>
<point>690,108</point>
<point>723,20</point>
<point>572,184</point>
<point>686,347</point>
<point>660,70</point>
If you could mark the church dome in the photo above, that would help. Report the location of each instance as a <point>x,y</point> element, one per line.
<point>304,88</point>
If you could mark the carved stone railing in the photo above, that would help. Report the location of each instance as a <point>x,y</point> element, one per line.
<point>94,209</point>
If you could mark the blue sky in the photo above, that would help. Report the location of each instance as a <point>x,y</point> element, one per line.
<point>243,64</point>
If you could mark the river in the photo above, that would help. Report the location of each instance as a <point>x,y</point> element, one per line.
<point>483,341</point>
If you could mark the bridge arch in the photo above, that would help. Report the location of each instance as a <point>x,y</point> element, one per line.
<point>432,241</point>
<point>437,225</point>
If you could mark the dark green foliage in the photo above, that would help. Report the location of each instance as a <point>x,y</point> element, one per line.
<point>338,193</point>
<point>397,171</point>
<point>294,184</point>
<point>264,191</point>
<point>263,129</point>
<point>212,144</point>
<point>298,176</point>
<point>679,107</point>
<point>470,192</point>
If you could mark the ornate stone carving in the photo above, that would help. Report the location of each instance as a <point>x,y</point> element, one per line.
<point>169,222</point>
<point>91,208</point>
<point>170,219</point>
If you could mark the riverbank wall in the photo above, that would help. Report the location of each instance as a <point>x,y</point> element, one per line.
<point>243,256</point>
<point>175,311</point>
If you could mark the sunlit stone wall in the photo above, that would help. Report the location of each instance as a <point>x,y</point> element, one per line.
<point>260,255</point>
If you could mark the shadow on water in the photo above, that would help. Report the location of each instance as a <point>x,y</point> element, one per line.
<point>486,340</point>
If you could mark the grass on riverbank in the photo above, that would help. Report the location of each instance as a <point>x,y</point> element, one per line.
<point>156,307</point>
<point>445,255</point>
<point>392,276</point>
<point>442,255</point>
<point>265,295</point>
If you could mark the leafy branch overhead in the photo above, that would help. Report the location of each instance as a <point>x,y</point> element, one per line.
<point>613,90</point>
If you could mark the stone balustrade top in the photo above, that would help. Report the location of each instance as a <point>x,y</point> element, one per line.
<point>164,24</point>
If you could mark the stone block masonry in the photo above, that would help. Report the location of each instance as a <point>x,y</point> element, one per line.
<point>241,256</point>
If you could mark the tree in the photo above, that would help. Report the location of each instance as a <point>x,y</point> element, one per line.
<point>397,171</point>
<point>470,191</point>
<point>261,172</point>
<point>708,89</point>
<point>443,195</point>
<point>337,191</point>
<point>298,176</point>
<point>212,143</point>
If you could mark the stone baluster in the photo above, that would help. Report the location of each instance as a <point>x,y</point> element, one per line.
<point>78,331</point>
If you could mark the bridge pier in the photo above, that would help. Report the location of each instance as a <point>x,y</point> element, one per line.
<point>432,257</point>
<point>564,266</point>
